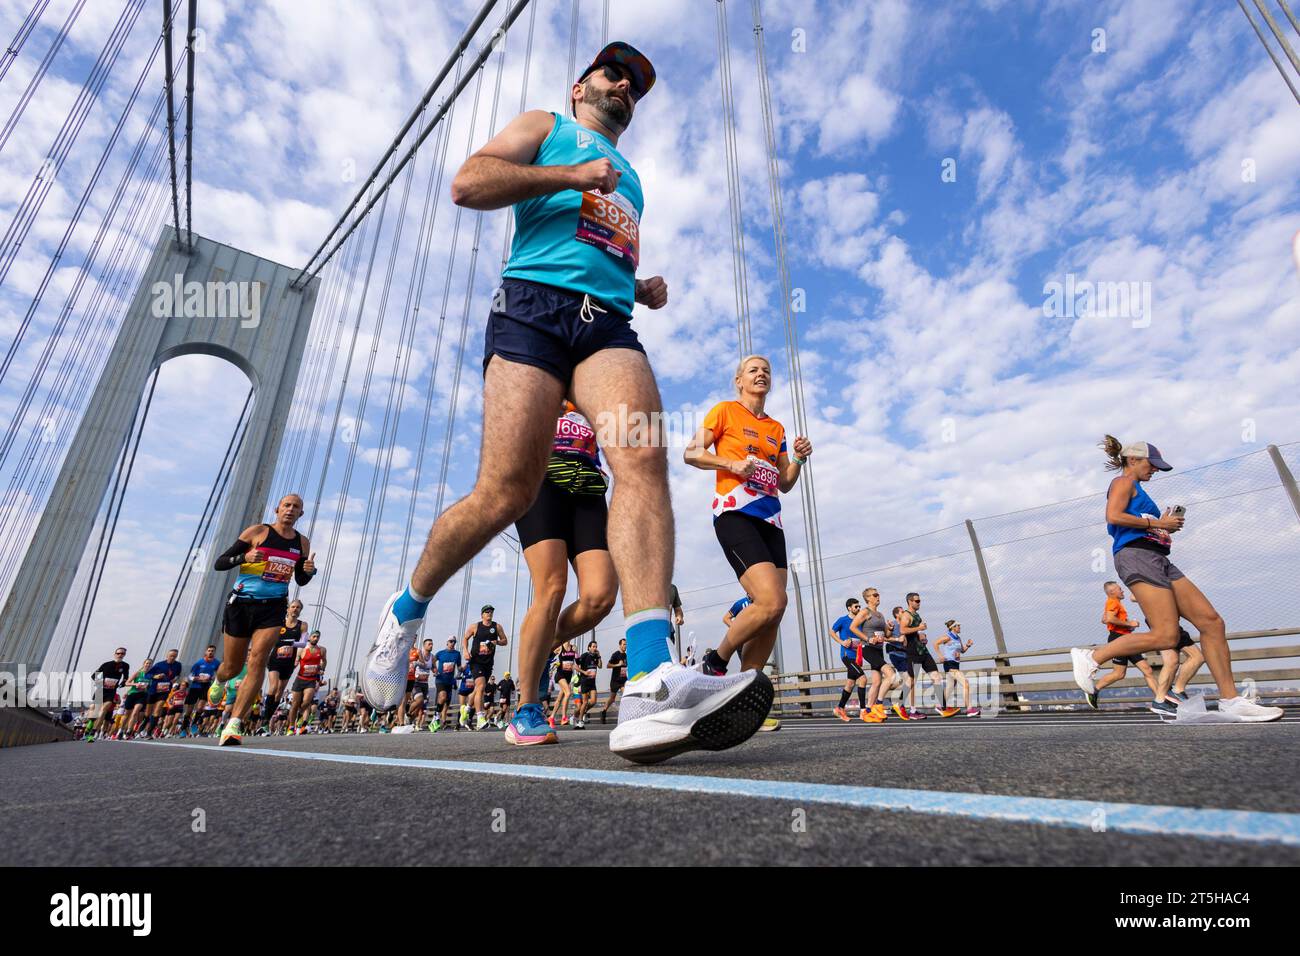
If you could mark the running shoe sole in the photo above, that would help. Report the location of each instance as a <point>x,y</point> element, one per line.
<point>519,740</point>
<point>722,724</point>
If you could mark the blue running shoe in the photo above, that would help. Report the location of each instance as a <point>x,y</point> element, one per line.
<point>529,727</point>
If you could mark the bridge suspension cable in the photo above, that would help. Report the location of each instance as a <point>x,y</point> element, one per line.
<point>807,487</point>
<point>79,366</point>
<point>88,260</point>
<point>24,31</point>
<point>1281,39</point>
<point>196,556</point>
<point>452,60</point>
<point>116,496</point>
<point>189,125</point>
<point>171,114</point>
<point>740,275</point>
<point>73,123</point>
<point>16,113</point>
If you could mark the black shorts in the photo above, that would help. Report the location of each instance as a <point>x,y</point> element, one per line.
<point>543,326</point>
<point>747,541</point>
<point>873,656</point>
<point>301,684</point>
<point>616,683</point>
<point>281,665</point>
<point>421,687</point>
<point>196,693</point>
<point>925,660</point>
<point>444,687</point>
<point>951,666</point>
<point>157,696</point>
<point>1184,639</point>
<point>559,515</point>
<point>1133,659</point>
<point>175,709</point>
<point>566,676</point>
<point>854,671</point>
<point>586,685</point>
<point>245,615</point>
<point>479,669</point>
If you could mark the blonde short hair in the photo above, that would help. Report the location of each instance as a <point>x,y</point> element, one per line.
<point>745,361</point>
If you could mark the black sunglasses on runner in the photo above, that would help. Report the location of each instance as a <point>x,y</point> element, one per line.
<point>615,73</point>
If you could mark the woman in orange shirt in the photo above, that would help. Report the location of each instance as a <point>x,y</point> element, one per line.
<point>753,467</point>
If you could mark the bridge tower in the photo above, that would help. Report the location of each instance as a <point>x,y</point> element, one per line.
<point>266,346</point>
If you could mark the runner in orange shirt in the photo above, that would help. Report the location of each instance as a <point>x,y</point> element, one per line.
<point>753,466</point>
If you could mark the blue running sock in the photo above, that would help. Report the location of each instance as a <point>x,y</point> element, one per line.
<point>649,641</point>
<point>408,607</point>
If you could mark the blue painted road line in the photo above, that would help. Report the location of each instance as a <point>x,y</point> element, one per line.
<point>1246,826</point>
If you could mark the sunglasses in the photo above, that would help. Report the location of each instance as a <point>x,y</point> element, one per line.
<point>615,73</point>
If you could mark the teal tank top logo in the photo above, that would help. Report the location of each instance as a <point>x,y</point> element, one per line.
<point>588,243</point>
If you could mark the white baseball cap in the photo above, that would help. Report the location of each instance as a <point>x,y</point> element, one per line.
<point>1142,449</point>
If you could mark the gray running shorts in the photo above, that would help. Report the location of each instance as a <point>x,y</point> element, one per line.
<point>1140,565</point>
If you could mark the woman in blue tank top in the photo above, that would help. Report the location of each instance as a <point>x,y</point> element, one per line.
<point>1141,535</point>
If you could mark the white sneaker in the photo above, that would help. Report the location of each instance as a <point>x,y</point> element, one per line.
<point>384,679</point>
<point>1242,709</point>
<point>1085,669</point>
<point>481,722</point>
<point>674,709</point>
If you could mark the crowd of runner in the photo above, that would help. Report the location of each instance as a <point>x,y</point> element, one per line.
<point>560,353</point>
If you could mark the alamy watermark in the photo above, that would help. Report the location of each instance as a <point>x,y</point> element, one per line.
<point>1083,299</point>
<point>23,688</point>
<point>179,299</point>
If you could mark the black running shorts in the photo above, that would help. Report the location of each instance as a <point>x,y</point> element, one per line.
<point>874,657</point>
<point>243,616</point>
<point>925,660</point>
<point>281,665</point>
<point>1131,659</point>
<point>747,541</point>
<point>559,515</point>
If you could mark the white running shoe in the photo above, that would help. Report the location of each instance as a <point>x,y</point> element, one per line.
<point>384,679</point>
<point>1243,709</point>
<point>675,709</point>
<point>1085,669</point>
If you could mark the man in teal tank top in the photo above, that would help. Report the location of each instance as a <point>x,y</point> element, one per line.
<point>560,327</point>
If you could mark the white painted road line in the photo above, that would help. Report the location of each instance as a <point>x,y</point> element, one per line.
<point>1246,826</point>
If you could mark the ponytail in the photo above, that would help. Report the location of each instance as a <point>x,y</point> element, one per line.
<point>1111,446</point>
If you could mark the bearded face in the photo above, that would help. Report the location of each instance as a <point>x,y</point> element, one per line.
<point>613,105</point>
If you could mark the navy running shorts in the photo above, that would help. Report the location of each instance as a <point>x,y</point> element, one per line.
<point>547,327</point>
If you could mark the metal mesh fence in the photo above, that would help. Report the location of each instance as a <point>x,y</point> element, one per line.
<point>1047,565</point>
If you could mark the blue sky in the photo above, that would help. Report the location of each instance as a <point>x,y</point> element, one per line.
<point>937,388</point>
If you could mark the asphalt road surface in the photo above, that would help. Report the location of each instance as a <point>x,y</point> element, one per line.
<point>1017,790</point>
